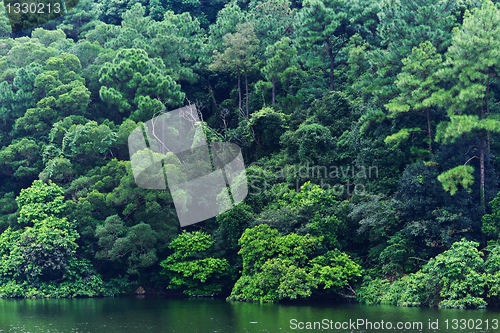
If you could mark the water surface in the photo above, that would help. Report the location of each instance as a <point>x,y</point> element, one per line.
<point>132,314</point>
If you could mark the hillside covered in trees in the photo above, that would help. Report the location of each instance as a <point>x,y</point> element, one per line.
<point>369,128</point>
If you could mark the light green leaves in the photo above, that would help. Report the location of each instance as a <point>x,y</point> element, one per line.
<point>457,278</point>
<point>472,63</point>
<point>5,28</point>
<point>191,269</point>
<point>277,267</point>
<point>460,271</point>
<point>395,139</point>
<point>42,254</point>
<point>417,80</point>
<point>460,175</point>
<point>465,124</point>
<point>40,201</point>
<point>239,49</point>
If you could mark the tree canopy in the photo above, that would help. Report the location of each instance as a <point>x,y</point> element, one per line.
<point>369,132</point>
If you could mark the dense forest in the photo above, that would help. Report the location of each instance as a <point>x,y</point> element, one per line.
<point>369,130</point>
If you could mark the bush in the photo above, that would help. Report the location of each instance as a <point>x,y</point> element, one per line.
<point>458,278</point>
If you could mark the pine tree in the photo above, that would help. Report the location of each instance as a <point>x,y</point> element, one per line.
<point>416,82</point>
<point>405,24</point>
<point>320,30</point>
<point>281,64</point>
<point>472,62</point>
<point>239,55</point>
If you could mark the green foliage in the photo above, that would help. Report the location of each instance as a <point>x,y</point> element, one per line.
<point>39,260</point>
<point>460,175</point>
<point>39,202</point>
<point>25,51</point>
<point>5,28</point>
<point>457,278</point>
<point>81,19</point>
<point>133,246</point>
<point>470,98</point>
<point>334,111</point>
<point>308,143</point>
<point>132,73</point>
<point>416,82</point>
<point>21,159</point>
<point>86,140</point>
<point>491,222</point>
<point>342,85</point>
<point>464,124</point>
<point>227,20</point>
<point>396,138</point>
<point>47,37</point>
<point>82,145</point>
<point>277,267</point>
<point>272,20</point>
<point>113,10</point>
<point>231,225</point>
<point>372,290</point>
<point>411,290</point>
<point>309,211</point>
<point>268,126</point>
<point>281,65</point>
<point>191,269</point>
<point>61,91</point>
<point>323,32</point>
<point>404,24</point>
<point>18,97</point>
<point>239,54</point>
<point>177,39</point>
<point>461,273</point>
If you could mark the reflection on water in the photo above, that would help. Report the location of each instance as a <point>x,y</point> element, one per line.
<point>134,314</point>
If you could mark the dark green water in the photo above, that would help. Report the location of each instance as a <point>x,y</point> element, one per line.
<point>130,314</point>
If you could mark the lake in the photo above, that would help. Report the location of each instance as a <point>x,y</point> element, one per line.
<point>149,314</point>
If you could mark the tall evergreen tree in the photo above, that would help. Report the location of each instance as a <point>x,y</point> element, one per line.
<point>472,63</point>
<point>239,55</point>
<point>416,82</point>
<point>405,24</point>
<point>321,29</point>
<point>281,64</point>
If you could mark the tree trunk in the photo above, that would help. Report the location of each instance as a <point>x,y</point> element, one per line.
<point>488,109</point>
<point>481,162</point>
<point>246,89</point>
<point>481,156</point>
<point>239,89</point>
<point>429,131</point>
<point>332,61</point>
<point>274,91</point>
<point>489,142</point>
